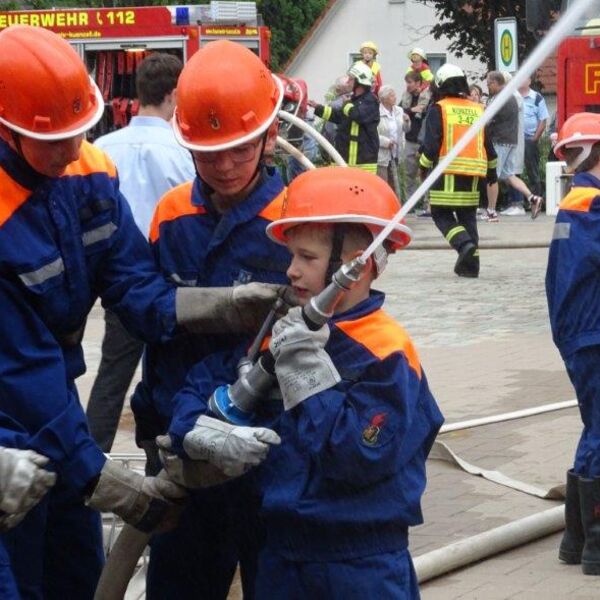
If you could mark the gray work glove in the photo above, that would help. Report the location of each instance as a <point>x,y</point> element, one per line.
<point>241,308</point>
<point>23,483</point>
<point>302,366</point>
<point>147,503</point>
<point>192,474</point>
<point>230,448</point>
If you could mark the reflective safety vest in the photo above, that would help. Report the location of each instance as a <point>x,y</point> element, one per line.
<point>458,115</point>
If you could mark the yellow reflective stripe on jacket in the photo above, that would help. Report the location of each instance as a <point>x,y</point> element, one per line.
<point>458,114</point>
<point>425,162</point>
<point>454,232</point>
<point>327,111</point>
<point>453,199</point>
<point>347,108</point>
<point>368,167</point>
<point>353,145</point>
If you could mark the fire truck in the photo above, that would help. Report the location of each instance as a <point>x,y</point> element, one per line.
<point>113,41</point>
<point>578,67</point>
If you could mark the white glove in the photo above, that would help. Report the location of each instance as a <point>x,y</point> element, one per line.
<point>144,502</point>
<point>302,366</point>
<point>191,474</point>
<point>230,448</point>
<point>23,483</point>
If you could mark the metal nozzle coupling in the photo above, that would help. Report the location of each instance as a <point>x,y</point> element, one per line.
<point>320,308</point>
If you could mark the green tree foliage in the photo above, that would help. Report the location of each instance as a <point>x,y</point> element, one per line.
<point>289,20</point>
<point>469,25</point>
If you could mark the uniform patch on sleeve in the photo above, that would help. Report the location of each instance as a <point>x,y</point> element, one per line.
<point>370,434</point>
<point>562,231</point>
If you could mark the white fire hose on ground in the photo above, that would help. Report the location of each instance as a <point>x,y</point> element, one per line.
<point>128,547</point>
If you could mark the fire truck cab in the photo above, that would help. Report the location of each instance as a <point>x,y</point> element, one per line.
<point>113,41</point>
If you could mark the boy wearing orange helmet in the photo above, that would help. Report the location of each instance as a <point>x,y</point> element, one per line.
<point>358,418</point>
<point>573,290</point>
<point>211,232</point>
<point>67,237</point>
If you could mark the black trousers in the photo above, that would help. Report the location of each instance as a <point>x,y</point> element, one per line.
<point>458,225</point>
<point>121,354</point>
<point>532,166</point>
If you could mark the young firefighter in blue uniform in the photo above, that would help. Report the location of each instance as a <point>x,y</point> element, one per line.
<point>211,232</point>
<point>67,237</point>
<point>346,482</point>
<point>573,291</point>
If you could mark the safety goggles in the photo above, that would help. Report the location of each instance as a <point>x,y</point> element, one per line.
<point>238,154</point>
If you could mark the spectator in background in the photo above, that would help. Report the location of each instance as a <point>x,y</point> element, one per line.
<point>515,198</point>
<point>414,102</point>
<point>392,127</point>
<point>503,131</point>
<point>149,162</point>
<point>418,64</point>
<point>535,118</point>
<point>475,93</point>
<point>368,52</point>
<point>337,95</point>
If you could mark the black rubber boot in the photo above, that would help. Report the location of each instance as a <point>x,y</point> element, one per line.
<point>573,539</point>
<point>589,497</point>
<point>467,263</point>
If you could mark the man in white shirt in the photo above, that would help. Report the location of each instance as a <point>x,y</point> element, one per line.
<point>149,162</point>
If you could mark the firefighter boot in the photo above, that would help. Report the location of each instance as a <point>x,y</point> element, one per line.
<point>571,544</point>
<point>589,496</point>
<point>467,263</point>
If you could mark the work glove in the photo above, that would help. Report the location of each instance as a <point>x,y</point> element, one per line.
<point>147,503</point>
<point>302,366</point>
<point>241,308</point>
<point>192,474</point>
<point>23,483</point>
<point>230,448</point>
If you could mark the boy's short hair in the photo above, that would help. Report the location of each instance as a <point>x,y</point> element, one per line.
<point>156,77</point>
<point>589,163</point>
<point>497,77</point>
<point>413,76</point>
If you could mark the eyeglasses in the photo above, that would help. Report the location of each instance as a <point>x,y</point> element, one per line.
<point>238,154</point>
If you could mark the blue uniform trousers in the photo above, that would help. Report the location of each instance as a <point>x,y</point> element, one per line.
<point>219,527</point>
<point>56,552</point>
<point>583,367</point>
<point>8,586</point>
<point>389,576</point>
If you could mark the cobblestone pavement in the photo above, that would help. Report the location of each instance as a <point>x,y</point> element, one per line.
<point>486,349</point>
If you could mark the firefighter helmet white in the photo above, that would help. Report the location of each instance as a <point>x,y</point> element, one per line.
<point>447,71</point>
<point>362,73</point>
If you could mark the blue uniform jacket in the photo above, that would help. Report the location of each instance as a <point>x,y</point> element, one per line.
<point>348,477</point>
<point>64,242</point>
<point>196,246</point>
<point>573,275</point>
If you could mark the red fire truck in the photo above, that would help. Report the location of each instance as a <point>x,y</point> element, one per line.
<point>578,68</point>
<point>113,41</point>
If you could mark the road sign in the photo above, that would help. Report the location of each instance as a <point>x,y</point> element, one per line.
<point>505,36</point>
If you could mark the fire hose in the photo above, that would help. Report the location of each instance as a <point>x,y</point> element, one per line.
<point>243,394</point>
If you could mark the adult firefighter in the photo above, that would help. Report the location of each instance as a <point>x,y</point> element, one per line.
<point>66,238</point>
<point>211,232</point>
<point>454,196</point>
<point>573,289</point>
<point>357,138</point>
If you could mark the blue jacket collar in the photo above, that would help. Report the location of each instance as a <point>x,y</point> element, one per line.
<point>18,168</point>
<point>371,304</point>
<point>586,180</point>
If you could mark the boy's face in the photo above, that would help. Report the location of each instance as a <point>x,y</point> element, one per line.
<point>367,54</point>
<point>416,60</point>
<point>310,247</point>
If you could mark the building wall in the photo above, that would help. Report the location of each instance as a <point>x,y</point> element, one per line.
<point>395,26</point>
